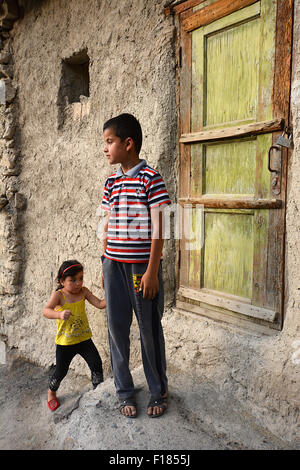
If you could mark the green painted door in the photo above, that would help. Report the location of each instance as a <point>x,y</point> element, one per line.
<point>231,260</point>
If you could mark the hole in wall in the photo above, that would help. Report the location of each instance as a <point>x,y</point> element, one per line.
<point>74,89</point>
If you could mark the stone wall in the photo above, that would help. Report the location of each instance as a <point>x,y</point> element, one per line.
<point>53,171</point>
<point>12,201</point>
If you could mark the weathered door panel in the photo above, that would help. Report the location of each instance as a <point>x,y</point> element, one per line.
<point>229,76</point>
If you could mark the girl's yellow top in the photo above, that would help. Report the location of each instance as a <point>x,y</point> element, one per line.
<point>76,329</point>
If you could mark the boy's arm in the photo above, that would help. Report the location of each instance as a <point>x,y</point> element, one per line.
<point>92,299</point>
<point>149,281</point>
<point>105,228</point>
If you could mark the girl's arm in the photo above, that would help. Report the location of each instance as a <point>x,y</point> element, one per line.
<point>49,311</point>
<point>92,299</point>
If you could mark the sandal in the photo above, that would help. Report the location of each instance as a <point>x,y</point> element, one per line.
<point>161,403</point>
<point>53,404</point>
<point>128,402</point>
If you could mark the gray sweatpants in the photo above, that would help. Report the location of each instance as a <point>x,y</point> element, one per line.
<point>121,283</point>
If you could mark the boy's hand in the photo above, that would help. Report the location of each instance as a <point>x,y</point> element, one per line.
<point>65,314</point>
<point>149,285</point>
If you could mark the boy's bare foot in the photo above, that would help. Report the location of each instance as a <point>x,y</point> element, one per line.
<point>157,408</point>
<point>128,408</point>
<point>128,411</point>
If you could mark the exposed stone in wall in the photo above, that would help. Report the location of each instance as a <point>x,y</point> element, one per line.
<point>9,12</point>
<point>12,202</point>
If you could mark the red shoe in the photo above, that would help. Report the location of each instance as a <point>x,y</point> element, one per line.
<point>53,404</point>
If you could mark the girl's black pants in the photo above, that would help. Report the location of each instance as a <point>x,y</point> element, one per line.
<point>64,356</point>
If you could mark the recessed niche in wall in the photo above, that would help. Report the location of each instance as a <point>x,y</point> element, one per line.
<point>74,90</point>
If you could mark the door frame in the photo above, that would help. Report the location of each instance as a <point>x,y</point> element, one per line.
<point>188,19</point>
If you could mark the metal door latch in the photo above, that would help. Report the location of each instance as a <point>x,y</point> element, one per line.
<point>276,179</point>
<point>285,141</point>
<point>276,147</point>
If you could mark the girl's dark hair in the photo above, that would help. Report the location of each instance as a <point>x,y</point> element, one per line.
<point>126,125</point>
<point>68,268</point>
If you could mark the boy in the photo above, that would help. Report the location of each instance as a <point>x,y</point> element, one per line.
<point>132,270</point>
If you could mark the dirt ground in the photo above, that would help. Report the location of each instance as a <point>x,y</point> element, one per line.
<point>198,417</point>
<point>25,421</point>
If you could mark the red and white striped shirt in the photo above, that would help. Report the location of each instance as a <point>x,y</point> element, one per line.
<point>129,198</point>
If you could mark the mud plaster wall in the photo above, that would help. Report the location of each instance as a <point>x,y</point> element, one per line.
<point>63,174</point>
<point>64,170</point>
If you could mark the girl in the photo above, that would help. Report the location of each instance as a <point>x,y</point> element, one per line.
<point>67,306</point>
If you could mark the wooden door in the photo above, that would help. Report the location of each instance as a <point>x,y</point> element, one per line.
<point>234,105</point>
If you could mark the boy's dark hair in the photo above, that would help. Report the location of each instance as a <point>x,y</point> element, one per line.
<point>126,125</point>
<point>68,268</point>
